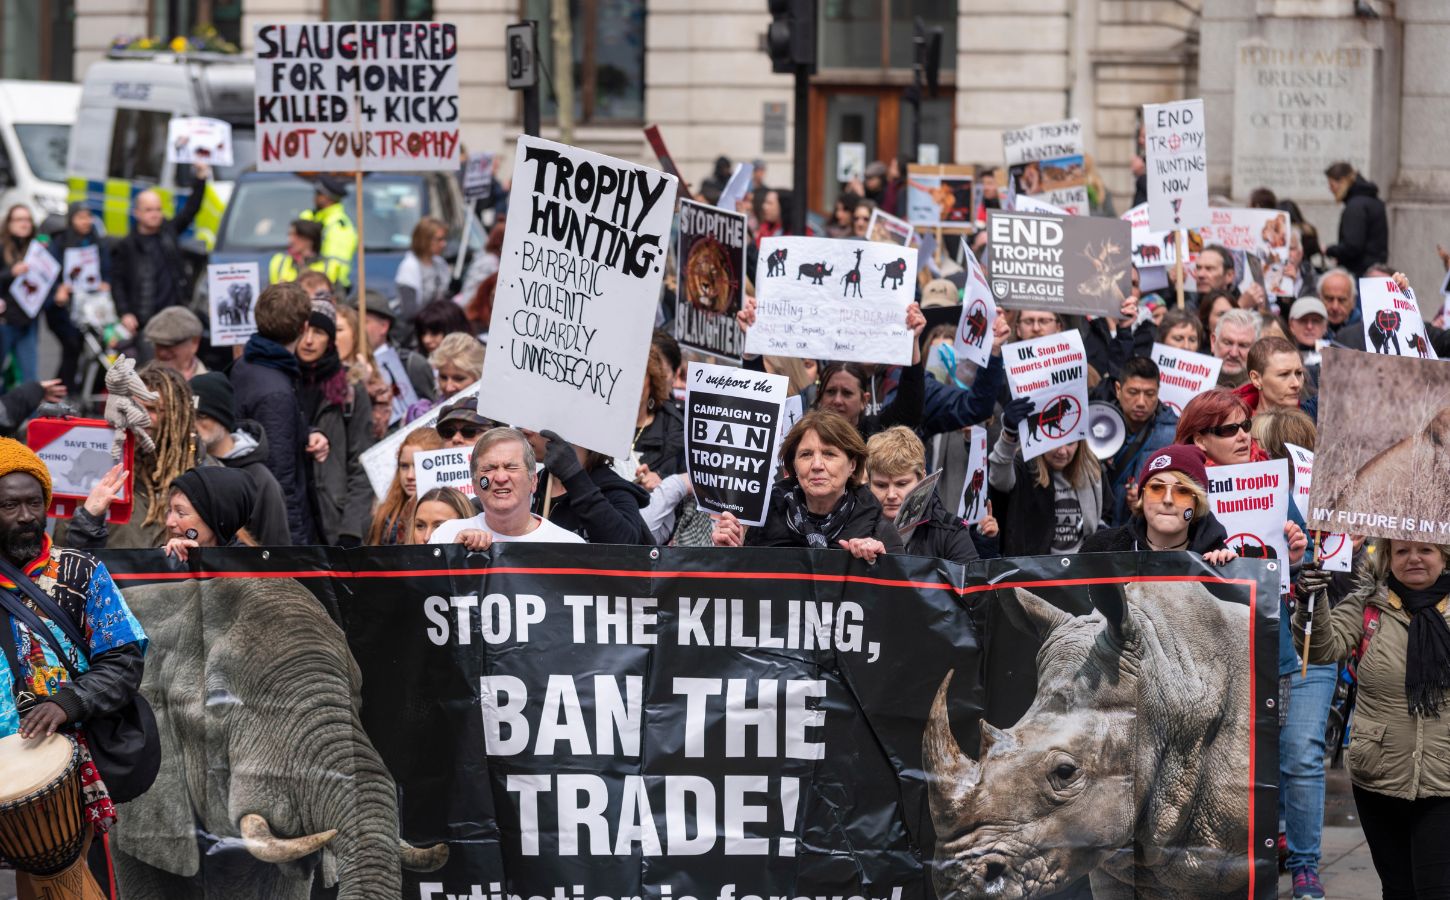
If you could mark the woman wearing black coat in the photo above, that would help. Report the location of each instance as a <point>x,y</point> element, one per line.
<point>338,408</point>
<point>1172,510</point>
<point>659,437</point>
<point>823,505</point>
<point>895,465</point>
<point>80,231</point>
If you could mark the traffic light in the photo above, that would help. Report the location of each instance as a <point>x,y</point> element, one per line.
<point>791,40</point>
<point>928,53</point>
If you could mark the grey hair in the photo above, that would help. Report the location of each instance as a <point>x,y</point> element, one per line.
<point>1243,318</point>
<point>1337,270</point>
<point>498,436</point>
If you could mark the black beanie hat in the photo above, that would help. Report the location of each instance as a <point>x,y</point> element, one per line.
<point>224,498</point>
<point>213,394</point>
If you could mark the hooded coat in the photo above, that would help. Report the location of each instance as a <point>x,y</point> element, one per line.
<point>602,508</point>
<point>867,520</point>
<point>1364,230</point>
<point>1391,752</point>
<point>264,385</point>
<point>269,517</point>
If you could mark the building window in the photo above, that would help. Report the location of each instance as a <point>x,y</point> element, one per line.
<point>378,10</point>
<point>877,34</point>
<point>608,43</point>
<point>37,39</point>
<point>138,145</point>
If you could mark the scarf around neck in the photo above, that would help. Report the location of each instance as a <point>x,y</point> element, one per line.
<point>1427,655</point>
<point>819,531</point>
<point>325,377</point>
<point>269,354</point>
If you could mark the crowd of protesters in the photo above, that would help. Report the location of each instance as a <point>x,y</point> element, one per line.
<point>267,449</point>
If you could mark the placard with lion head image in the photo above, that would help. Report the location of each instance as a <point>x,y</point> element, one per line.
<point>711,261</point>
<point>1382,467</point>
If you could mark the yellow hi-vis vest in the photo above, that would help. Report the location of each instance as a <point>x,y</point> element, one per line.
<point>284,268</point>
<point>339,237</point>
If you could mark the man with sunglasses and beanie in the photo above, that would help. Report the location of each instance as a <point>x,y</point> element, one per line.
<point>504,479</point>
<point>1171,512</point>
<point>40,692</point>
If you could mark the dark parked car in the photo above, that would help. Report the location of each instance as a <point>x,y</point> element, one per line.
<point>262,204</point>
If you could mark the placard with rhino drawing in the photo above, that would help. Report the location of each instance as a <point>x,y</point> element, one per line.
<point>833,299</point>
<point>1386,472</point>
<point>1063,264</point>
<point>815,725</point>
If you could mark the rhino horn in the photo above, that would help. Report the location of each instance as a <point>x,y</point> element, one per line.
<point>1031,613</point>
<point>951,774</point>
<point>1110,600</point>
<point>990,736</point>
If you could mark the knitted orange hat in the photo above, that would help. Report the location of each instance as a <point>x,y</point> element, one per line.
<point>16,457</point>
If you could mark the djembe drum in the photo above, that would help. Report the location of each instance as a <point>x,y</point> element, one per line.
<point>43,826</point>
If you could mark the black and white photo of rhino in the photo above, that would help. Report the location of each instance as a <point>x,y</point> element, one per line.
<point>1129,768</point>
<point>236,307</point>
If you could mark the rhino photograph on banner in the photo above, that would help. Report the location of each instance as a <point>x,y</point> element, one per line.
<point>1387,471</point>
<point>819,298</point>
<point>578,285</point>
<point>645,722</point>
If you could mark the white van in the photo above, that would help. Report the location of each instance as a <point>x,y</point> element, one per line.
<point>127,101</point>
<point>35,126</point>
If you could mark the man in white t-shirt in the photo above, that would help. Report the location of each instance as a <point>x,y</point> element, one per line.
<point>504,476</point>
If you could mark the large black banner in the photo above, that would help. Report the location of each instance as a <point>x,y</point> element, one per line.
<point>617,722</point>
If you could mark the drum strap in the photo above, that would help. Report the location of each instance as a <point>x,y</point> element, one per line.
<point>23,699</point>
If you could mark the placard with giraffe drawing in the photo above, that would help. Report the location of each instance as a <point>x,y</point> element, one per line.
<point>818,298</point>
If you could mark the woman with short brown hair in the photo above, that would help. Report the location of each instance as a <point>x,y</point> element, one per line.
<point>823,504</point>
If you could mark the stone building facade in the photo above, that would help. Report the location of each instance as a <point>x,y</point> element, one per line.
<point>1288,84</point>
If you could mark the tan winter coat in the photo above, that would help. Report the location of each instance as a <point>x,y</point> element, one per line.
<point>1390,751</point>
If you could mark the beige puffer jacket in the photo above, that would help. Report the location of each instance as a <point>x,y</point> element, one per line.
<point>1390,751</point>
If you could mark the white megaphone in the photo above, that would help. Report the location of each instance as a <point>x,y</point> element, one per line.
<point>1106,429</point>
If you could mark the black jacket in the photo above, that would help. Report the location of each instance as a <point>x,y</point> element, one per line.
<point>1205,535</point>
<point>866,521</point>
<point>17,405</point>
<point>661,444</point>
<point>942,535</point>
<point>129,287</point>
<point>1108,352</point>
<point>268,396</point>
<point>906,406</point>
<point>602,508</point>
<point>268,524</point>
<point>1364,230</point>
<point>344,495</point>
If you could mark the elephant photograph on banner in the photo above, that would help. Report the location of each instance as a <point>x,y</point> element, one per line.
<point>1131,770</point>
<point>647,722</point>
<point>268,784</point>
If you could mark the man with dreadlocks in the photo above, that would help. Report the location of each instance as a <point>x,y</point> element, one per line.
<point>173,431</point>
